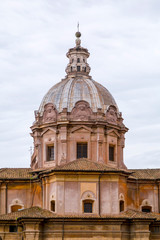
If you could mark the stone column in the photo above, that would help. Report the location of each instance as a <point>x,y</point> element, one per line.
<point>100,137</point>
<point>3,201</point>
<point>120,146</point>
<point>139,230</point>
<point>63,137</point>
<point>31,230</point>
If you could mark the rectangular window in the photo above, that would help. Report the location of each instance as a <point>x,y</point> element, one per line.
<point>53,205</point>
<point>78,68</point>
<point>13,228</point>
<point>50,153</point>
<point>87,207</point>
<point>82,150</point>
<point>111,153</point>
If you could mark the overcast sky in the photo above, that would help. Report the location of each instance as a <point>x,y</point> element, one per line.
<point>123,37</point>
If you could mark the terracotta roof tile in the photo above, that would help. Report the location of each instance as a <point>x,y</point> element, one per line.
<point>85,165</point>
<point>16,173</point>
<point>145,173</point>
<point>33,212</point>
<point>37,212</point>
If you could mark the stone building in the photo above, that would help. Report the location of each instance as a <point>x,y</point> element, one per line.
<point>78,186</point>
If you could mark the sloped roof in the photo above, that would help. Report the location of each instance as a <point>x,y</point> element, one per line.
<point>86,165</point>
<point>39,213</point>
<point>33,212</point>
<point>145,173</point>
<point>16,173</point>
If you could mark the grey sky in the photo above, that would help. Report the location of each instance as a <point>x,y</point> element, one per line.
<point>123,37</point>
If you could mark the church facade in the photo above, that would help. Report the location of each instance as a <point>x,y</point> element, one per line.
<point>78,186</point>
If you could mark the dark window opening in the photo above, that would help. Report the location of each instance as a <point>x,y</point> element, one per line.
<point>146,209</point>
<point>121,206</point>
<point>13,228</point>
<point>50,153</point>
<point>15,208</point>
<point>83,60</point>
<point>53,205</point>
<point>78,69</point>
<point>111,153</point>
<point>88,207</point>
<point>78,60</point>
<point>71,69</point>
<point>81,150</point>
<point>72,60</point>
<point>85,69</point>
<point>155,229</point>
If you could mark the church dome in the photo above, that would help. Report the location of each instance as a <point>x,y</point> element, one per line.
<point>78,85</point>
<point>71,90</point>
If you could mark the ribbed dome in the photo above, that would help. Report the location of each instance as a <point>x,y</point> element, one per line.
<point>67,92</point>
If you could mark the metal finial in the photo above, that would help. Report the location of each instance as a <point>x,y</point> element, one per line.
<point>78,34</point>
<point>78,27</point>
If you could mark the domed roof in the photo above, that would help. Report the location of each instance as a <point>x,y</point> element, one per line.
<point>78,85</point>
<point>67,92</point>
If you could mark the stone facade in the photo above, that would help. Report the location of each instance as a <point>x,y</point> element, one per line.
<point>78,186</point>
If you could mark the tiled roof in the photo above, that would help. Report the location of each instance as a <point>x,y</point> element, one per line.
<point>85,165</point>
<point>33,212</point>
<point>16,173</point>
<point>145,173</point>
<point>39,213</point>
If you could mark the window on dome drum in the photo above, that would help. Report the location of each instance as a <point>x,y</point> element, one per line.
<point>15,208</point>
<point>88,206</point>
<point>53,205</point>
<point>50,153</point>
<point>121,205</point>
<point>82,150</point>
<point>111,153</point>
<point>85,69</point>
<point>78,68</point>
<point>71,69</point>
<point>13,228</point>
<point>78,60</point>
<point>146,209</point>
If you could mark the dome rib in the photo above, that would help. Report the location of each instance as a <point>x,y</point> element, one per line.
<point>66,93</point>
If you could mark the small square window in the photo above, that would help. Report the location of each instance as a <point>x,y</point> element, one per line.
<point>13,228</point>
<point>50,153</point>
<point>111,153</point>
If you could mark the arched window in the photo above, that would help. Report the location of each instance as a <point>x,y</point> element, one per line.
<point>78,60</point>
<point>88,206</point>
<point>15,208</point>
<point>53,206</point>
<point>146,209</point>
<point>121,205</point>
